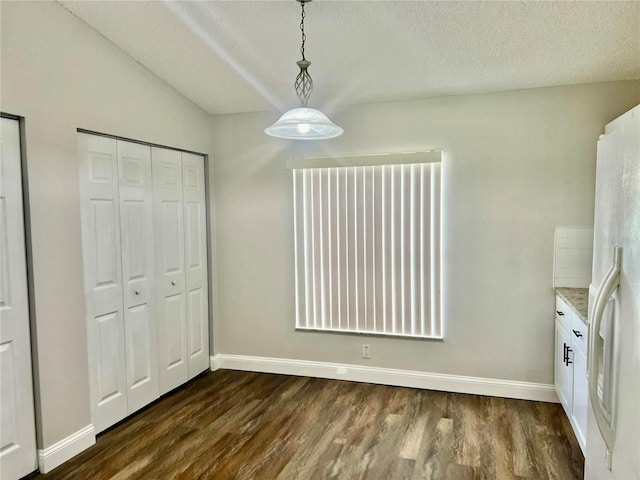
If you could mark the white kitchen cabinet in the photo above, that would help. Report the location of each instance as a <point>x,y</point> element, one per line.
<point>580,397</point>
<point>571,338</point>
<point>563,369</point>
<point>579,335</point>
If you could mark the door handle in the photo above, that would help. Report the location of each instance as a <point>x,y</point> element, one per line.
<point>596,346</point>
<point>567,361</point>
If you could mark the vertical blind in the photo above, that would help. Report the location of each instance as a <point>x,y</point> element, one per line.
<point>367,248</point>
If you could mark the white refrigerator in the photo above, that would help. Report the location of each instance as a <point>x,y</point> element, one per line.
<point>613,424</point>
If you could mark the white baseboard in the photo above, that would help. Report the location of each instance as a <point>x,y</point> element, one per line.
<point>387,376</point>
<point>58,453</point>
<point>215,362</point>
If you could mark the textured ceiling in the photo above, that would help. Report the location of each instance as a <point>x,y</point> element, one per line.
<point>239,56</point>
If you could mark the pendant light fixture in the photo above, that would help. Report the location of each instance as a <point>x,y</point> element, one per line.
<point>304,123</point>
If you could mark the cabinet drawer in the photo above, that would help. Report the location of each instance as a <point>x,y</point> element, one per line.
<point>563,313</point>
<point>579,334</point>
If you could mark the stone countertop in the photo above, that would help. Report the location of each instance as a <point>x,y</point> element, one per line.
<point>576,298</point>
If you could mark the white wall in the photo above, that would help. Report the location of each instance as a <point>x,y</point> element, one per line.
<point>60,75</point>
<point>516,165</point>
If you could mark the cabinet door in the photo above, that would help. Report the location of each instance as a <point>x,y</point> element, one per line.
<point>580,396</point>
<point>195,232</point>
<point>17,425</point>
<point>170,275</point>
<point>103,278</point>
<point>563,372</point>
<point>136,222</point>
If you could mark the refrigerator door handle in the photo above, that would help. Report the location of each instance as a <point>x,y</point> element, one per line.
<point>596,347</point>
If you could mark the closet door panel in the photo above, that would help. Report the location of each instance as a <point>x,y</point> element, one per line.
<point>174,331</point>
<point>103,278</point>
<point>197,327</point>
<point>195,231</point>
<point>138,273</point>
<point>193,213</point>
<point>105,246</point>
<point>108,339</point>
<point>170,273</point>
<point>142,371</point>
<point>195,220</point>
<point>17,423</point>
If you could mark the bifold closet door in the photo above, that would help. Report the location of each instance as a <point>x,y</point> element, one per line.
<point>103,278</point>
<point>138,277</point>
<point>181,266</point>
<point>117,231</point>
<point>17,425</point>
<point>196,263</point>
<point>170,276</point>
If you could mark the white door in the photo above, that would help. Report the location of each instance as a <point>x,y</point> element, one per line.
<point>195,263</point>
<point>170,274</point>
<point>17,430</point>
<point>103,278</point>
<point>136,225</point>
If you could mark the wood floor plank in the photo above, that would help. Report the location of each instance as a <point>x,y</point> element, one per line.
<point>315,439</point>
<point>525,457</point>
<point>439,453</point>
<point>230,425</point>
<point>414,422</point>
<point>501,442</point>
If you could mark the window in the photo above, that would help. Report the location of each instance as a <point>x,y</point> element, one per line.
<point>367,244</point>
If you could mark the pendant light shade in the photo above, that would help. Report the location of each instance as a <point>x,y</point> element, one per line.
<point>304,123</point>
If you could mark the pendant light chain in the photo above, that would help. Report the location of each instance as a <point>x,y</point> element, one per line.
<point>304,37</point>
<point>304,84</point>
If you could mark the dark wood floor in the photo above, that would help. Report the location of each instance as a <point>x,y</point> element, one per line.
<point>236,425</point>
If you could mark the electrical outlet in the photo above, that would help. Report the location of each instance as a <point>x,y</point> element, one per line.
<point>366,351</point>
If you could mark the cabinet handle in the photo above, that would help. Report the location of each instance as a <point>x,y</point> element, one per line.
<point>137,292</point>
<point>565,357</point>
<point>567,361</point>
<point>560,313</point>
<point>173,282</point>
<point>577,333</point>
